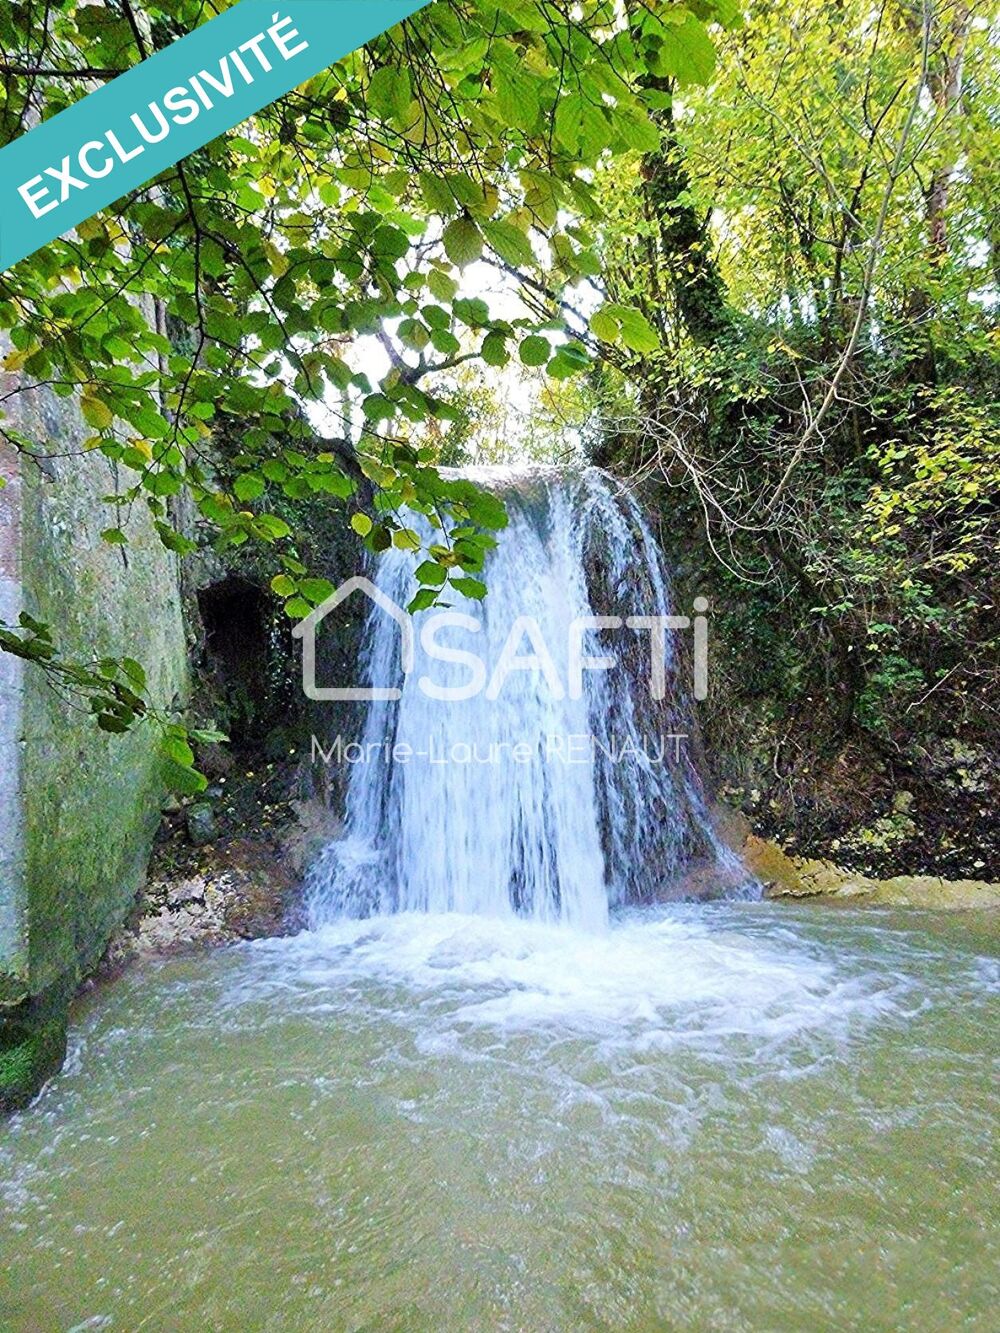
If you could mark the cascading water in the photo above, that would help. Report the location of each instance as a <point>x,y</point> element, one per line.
<point>523,799</point>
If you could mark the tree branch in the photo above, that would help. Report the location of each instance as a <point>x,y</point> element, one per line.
<point>42,72</point>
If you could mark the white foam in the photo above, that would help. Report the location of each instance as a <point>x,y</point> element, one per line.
<point>653,979</point>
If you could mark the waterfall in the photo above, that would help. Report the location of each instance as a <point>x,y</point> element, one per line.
<point>533,802</point>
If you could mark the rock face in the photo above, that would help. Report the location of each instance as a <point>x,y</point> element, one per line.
<point>241,892</point>
<point>200,824</point>
<point>787,877</point>
<point>78,808</point>
<point>245,885</point>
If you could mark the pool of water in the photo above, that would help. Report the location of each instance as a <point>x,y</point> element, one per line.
<point>727,1117</point>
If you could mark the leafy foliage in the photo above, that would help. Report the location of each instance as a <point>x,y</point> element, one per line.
<point>814,244</point>
<point>250,286</point>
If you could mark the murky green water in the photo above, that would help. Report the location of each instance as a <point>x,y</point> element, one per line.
<point>737,1117</point>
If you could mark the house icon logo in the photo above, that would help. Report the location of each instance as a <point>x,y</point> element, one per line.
<point>306,631</point>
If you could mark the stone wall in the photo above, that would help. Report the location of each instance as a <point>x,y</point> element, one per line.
<point>78,807</point>
<point>13,941</point>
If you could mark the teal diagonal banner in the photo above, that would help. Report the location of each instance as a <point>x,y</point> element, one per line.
<point>146,120</point>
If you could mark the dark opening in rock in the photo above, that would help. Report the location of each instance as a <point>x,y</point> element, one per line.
<point>238,618</point>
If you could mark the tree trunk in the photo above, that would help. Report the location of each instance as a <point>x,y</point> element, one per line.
<point>945,86</point>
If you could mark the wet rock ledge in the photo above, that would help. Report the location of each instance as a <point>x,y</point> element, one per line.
<point>791,877</point>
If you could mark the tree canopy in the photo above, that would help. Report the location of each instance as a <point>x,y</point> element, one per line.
<point>346,210</point>
<point>816,247</point>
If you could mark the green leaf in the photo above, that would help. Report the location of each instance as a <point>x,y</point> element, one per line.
<point>435,317</point>
<point>432,573</point>
<point>134,671</point>
<point>333,482</point>
<point>181,779</point>
<point>535,351</point>
<point>273,526</point>
<point>282,585</point>
<point>96,413</point>
<point>634,129</point>
<point>113,723</point>
<point>517,98</point>
<point>439,199</point>
<point>486,509</point>
<point>686,53</point>
<point>389,92</point>
<point>564,366</point>
<point>441,286</point>
<point>316,590</point>
<point>377,407</point>
<point>414,334</point>
<point>406,539</point>
<point>177,749</point>
<point>637,332</point>
<point>422,600</point>
<point>444,342</point>
<point>472,311</point>
<point>575,353</point>
<point>510,243</point>
<point>207,736</point>
<point>249,486</point>
<point>463,241</point>
<point>114,537</point>
<point>603,325</point>
<point>469,587</point>
<point>494,350</point>
<point>390,243</point>
<point>361,524</point>
<point>173,540</point>
<point>582,124</point>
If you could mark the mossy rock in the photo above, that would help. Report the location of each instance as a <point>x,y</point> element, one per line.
<point>790,877</point>
<point>27,1058</point>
